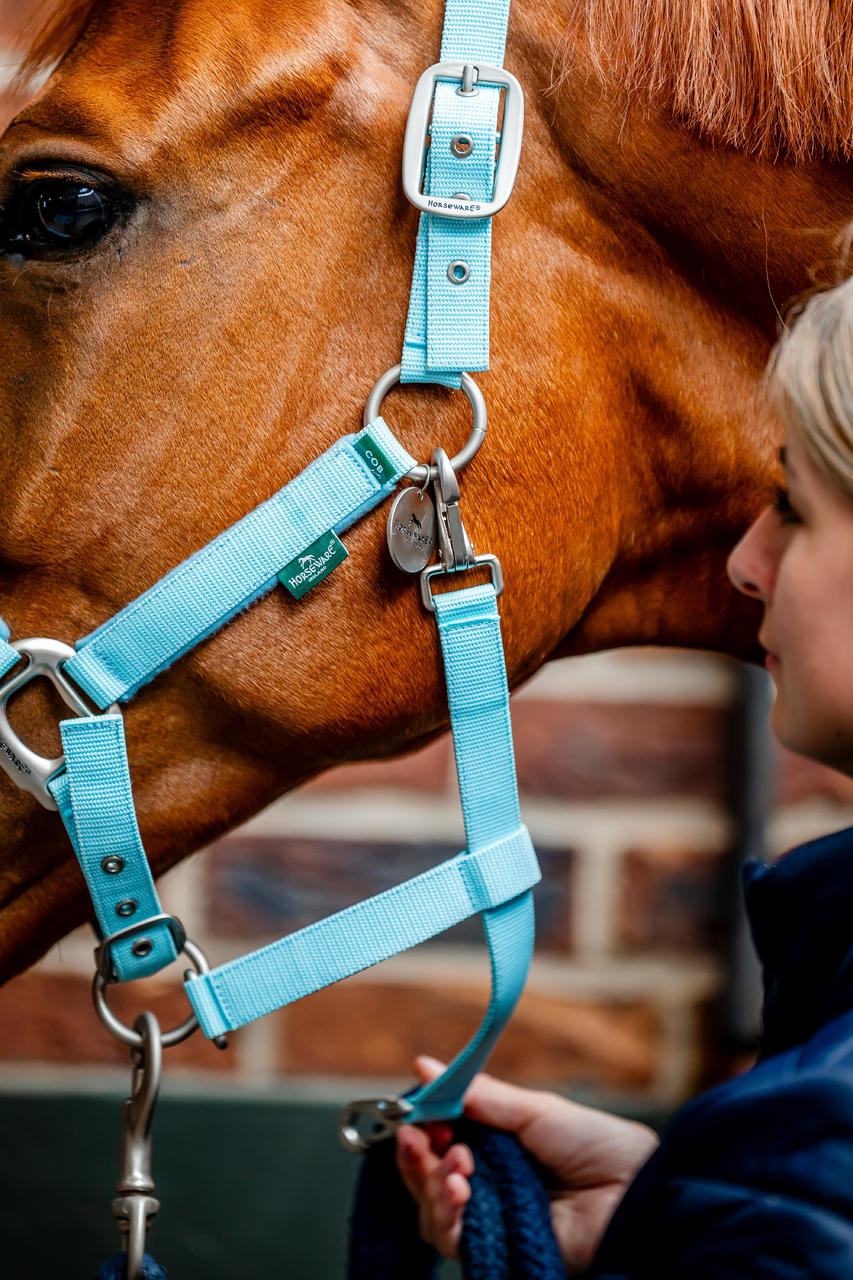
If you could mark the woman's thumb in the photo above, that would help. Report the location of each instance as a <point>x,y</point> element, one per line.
<point>489,1100</point>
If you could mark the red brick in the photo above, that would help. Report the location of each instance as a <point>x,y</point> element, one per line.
<point>375,1029</point>
<point>798,779</point>
<point>264,887</point>
<point>672,897</point>
<point>429,769</point>
<point>583,750</point>
<point>50,1018</point>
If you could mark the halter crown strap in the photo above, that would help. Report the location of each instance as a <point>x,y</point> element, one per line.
<point>447,329</point>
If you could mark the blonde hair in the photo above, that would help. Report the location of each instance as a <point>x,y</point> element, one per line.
<point>810,382</point>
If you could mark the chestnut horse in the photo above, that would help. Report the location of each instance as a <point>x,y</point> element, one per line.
<point>685,168</point>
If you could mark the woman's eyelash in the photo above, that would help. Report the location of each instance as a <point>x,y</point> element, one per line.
<point>782,503</point>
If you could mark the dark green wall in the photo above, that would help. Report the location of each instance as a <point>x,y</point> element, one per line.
<point>248,1189</point>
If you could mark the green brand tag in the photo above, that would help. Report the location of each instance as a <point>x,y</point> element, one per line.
<point>380,465</point>
<point>313,565</point>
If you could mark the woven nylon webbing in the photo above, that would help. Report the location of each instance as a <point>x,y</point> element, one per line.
<point>447,328</point>
<point>96,804</point>
<point>234,570</point>
<point>478,697</point>
<point>362,935</point>
<point>8,655</point>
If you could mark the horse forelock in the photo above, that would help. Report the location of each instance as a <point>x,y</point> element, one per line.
<point>765,76</point>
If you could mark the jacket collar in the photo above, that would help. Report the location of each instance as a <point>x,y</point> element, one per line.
<point>801,914</point>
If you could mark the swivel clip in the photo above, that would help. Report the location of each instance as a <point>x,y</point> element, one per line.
<point>362,1124</point>
<point>454,545</point>
<point>455,550</point>
<point>135,1205</point>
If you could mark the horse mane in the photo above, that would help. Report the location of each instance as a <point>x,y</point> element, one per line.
<point>767,76</point>
<point>770,77</point>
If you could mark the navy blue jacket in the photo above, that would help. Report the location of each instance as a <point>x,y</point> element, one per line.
<point>755,1179</point>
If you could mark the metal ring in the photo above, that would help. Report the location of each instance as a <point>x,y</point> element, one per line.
<point>421,474</point>
<point>127,1035</point>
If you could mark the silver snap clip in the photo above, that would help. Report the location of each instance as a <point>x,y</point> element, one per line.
<point>458,271</point>
<point>462,145</point>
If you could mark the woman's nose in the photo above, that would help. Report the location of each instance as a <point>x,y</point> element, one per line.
<point>752,564</point>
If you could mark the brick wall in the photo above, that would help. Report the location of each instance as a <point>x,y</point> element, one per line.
<point>625,768</point>
<point>625,764</point>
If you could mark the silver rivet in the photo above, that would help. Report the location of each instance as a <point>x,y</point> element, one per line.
<point>112,865</point>
<point>127,907</point>
<point>462,145</point>
<point>143,947</point>
<point>458,271</point>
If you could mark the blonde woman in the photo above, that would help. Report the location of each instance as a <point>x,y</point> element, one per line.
<point>755,1178</point>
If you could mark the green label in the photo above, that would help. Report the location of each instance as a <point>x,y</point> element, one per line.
<point>379,464</point>
<point>313,565</point>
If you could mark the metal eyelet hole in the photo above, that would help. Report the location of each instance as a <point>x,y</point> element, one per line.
<point>112,865</point>
<point>127,907</point>
<point>462,145</point>
<point>142,948</point>
<point>458,271</point>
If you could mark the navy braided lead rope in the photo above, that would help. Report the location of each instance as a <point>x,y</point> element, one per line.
<point>116,1269</point>
<point>507,1232</point>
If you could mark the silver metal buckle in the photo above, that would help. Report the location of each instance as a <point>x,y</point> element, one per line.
<point>417,132</point>
<point>24,766</point>
<point>432,571</point>
<point>103,961</point>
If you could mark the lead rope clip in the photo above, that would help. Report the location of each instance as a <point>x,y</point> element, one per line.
<point>135,1206</point>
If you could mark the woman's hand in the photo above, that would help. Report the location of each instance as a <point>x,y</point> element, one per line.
<point>590,1157</point>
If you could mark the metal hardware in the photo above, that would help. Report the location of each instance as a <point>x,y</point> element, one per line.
<point>417,132</point>
<point>410,531</point>
<point>462,145</point>
<point>103,962</point>
<point>127,907</point>
<point>458,271</point>
<point>424,472</point>
<point>135,1206</point>
<point>456,554</point>
<point>454,545</point>
<point>468,87</point>
<point>435,570</point>
<point>112,864</point>
<point>175,1035</point>
<point>383,1115</point>
<point>142,948</point>
<point>24,766</point>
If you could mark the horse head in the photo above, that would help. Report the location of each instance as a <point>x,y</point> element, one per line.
<point>205,264</point>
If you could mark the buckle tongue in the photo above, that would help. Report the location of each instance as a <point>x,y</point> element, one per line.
<point>417,133</point>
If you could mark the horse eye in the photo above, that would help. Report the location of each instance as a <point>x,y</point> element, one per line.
<point>64,213</point>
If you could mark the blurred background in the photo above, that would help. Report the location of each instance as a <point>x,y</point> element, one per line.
<point>646,778</point>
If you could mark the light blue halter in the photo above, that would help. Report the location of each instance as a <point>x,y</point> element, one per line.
<point>293,538</point>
